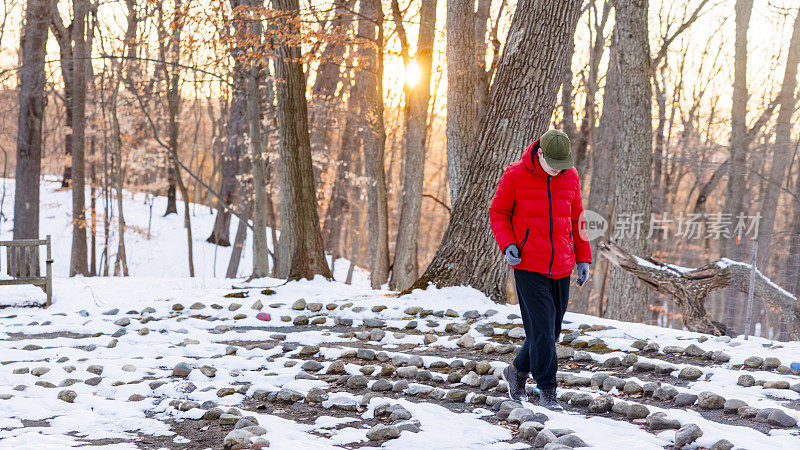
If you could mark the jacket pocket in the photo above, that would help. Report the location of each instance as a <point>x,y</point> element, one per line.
<point>524,241</point>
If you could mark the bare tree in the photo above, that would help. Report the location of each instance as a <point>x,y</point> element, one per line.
<point>406,268</point>
<point>302,254</point>
<point>78,261</point>
<point>31,115</point>
<point>519,109</point>
<point>627,297</point>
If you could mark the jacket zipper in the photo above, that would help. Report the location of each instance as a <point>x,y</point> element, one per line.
<point>524,240</point>
<point>550,213</point>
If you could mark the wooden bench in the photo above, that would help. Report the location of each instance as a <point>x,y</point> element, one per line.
<point>23,264</point>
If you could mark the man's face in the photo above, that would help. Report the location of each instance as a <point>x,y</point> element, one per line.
<point>550,171</point>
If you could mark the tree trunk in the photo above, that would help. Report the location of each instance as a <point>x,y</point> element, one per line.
<point>519,109</point>
<point>31,114</point>
<point>78,261</point>
<point>737,159</point>
<point>257,159</point>
<point>369,76</point>
<point>462,92</point>
<point>406,268</point>
<point>63,35</point>
<point>481,22</point>
<point>302,254</point>
<point>782,151</point>
<point>627,299</point>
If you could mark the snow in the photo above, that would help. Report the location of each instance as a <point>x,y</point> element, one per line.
<point>159,280</point>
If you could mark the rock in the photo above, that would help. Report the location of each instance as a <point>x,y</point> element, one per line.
<point>574,380</point>
<point>136,398</point>
<point>602,404</point>
<point>637,411</point>
<point>456,328</point>
<point>238,437</point>
<point>598,378</point>
<point>770,363</point>
<point>665,393</point>
<point>687,434</point>
<point>381,385</point>
<point>684,399</point>
<point>374,323</point>
<point>722,444</point>
<point>753,362</point>
<point>95,369</point>
<point>612,362</point>
<point>543,438</point>
<point>489,382</point>
<point>430,339</point>
<point>122,322</point>
<point>381,432</point>
<point>181,370</point>
<point>581,399</point>
<point>466,341</point>
<point>629,360</point>
<point>413,310</point>
<point>721,357</point>
<point>455,395</point>
<point>779,384</point>
<point>779,418</point>
<point>643,366</point>
<point>309,350</point>
<point>746,380</point>
<point>529,430</point>
<point>732,405</point>
<point>631,388</point>
<point>300,320</point>
<point>299,305</point>
<point>39,371</point>
<point>224,392</point>
<point>710,400</point>
<point>67,395</point>
<point>571,441</point>
<point>314,307</point>
<point>747,412</point>
<point>471,379</point>
<point>357,382</point>
<point>289,396</point>
<point>693,350</point>
<point>365,353</point>
<point>613,382</point>
<point>408,425</point>
<point>316,395</point>
<point>407,372</point>
<point>376,334</point>
<point>516,333</point>
<point>520,415</point>
<point>690,373</point>
<point>659,421</point>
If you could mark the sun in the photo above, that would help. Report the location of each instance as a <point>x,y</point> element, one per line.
<point>413,73</point>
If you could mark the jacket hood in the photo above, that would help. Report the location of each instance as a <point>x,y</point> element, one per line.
<point>532,162</point>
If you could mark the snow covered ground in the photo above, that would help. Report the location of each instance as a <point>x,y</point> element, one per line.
<point>161,360</point>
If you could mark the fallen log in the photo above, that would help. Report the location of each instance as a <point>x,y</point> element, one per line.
<point>690,287</point>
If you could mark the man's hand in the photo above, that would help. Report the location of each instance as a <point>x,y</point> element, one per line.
<point>583,273</point>
<point>512,255</point>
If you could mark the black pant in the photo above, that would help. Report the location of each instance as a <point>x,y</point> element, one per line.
<point>542,303</point>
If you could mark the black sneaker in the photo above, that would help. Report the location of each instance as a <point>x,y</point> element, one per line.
<point>516,383</point>
<point>547,398</point>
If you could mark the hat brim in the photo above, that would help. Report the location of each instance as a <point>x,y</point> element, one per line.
<point>560,164</point>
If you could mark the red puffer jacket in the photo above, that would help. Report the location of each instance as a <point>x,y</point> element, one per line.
<point>542,214</point>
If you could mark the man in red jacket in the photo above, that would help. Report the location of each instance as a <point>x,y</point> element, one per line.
<point>537,220</point>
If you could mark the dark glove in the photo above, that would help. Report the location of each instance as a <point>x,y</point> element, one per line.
<point>583,273</point>
<point>512,255</point>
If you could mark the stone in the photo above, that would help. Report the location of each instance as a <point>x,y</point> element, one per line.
<point>571,441</point>
<point>665,393</point>
<point>357,382</point>
<point>381,385</point>
<point>456,395</point>
<point>543,438</point>
<point>582,356</point>
<point>598,378</point>
<point>516,333</point>
<point>374,323</point>
<point>643,366</point>
<point>613,382</point>
<point>489,382</point>
<point>779,418</point>
<point>778,384</point>
<point>365,353</point>
<point>289,396</point>
<point>181,370</point>
<point>710,400</point>
<point>300,320</point>
<point>529,430</point>
<point>637,411</point>
<point>471,379</point>
<point>747,412</point>
<point>746,380</point>
<point>376,334</point>
<point>753,362</point>
<point>466,341</point>
<point>574,380</point>
<point>629,360</point>
<point>684,399</point>
<point>39,371</point>
<point>602,404</point>
<point>122,322</point>
<point>581,399</point>
<point>520,415</point>
<point>299,304</point>
<point>631,388</point>
<point>722,444</point>
<point>732,405</point>
<point>659,421</point>
<point>315,307</point>
<point>67,395</point>
<point>612,362</point>
<point>316,395</point>
<point>770,363</point>
<point>693,350</point>
<point>309,350</point>
<point>690,373</point>
<point>381,432</point>
<point>456,328</point>
<point>95,369</point>
<point>687,434</point>
<point>408,425</point>
<point>238,437</point>
<point>407,372</point>
<point>721,357</point>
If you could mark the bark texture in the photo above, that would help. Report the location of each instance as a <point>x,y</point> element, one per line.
<point>29,125</point>
<point>78,261</point>
<point>301,251</point>
<point>627,298</point>
<point>520,105</point>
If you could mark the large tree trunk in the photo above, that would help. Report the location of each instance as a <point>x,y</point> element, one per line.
<point>481,23</point>
<point>519,109</point>
<point>627,299</point>
<point>369,76</point>
<point>31,115</point>
<point>737,159</point>
<point>462,92</point>
<point>782,151</point>
<point>302,254</point>
<point>78,261</point>
<point>63,35</point>
<point>260,249</point>
<point>406,268</point>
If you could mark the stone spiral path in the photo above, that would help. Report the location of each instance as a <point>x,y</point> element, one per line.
<point>336,366</point>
